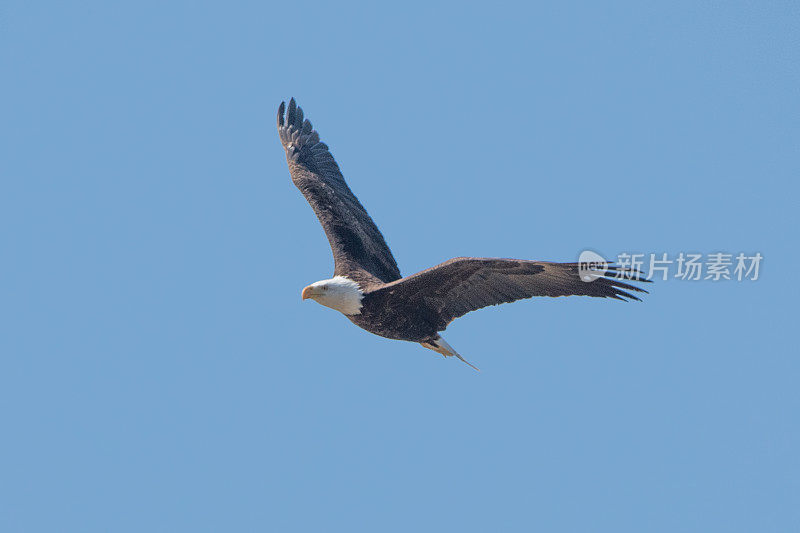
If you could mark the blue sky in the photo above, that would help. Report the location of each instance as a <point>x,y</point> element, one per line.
<point>159,371</point>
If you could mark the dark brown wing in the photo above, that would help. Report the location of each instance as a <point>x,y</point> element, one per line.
<point>464,284</point>
<point>359,250</point>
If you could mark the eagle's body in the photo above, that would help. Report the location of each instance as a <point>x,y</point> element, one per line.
<point>367,286</point>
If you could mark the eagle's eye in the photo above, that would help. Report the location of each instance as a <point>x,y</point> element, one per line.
<point>324,287</point>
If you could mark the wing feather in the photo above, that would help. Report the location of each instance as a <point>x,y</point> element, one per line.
<point>464,284</point>
<point>359,250</point>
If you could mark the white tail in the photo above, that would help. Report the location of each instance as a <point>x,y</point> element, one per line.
<point>439,345</point>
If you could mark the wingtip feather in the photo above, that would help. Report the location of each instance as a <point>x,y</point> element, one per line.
<point>290,114</point>
<point>281,110</point>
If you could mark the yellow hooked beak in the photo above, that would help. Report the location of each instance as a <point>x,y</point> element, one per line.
<point>306,294</point>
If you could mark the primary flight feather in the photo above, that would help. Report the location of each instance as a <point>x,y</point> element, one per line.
<point>367,286</point>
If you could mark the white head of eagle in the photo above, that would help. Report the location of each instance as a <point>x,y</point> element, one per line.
<point>339,292</point>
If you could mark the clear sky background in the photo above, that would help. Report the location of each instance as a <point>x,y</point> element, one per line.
<point>159,372</point>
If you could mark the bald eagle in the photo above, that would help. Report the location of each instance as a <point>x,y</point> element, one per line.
<point>367,286</point>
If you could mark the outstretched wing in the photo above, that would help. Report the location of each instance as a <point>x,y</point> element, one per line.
<point>464,284</point>
<point>359,250</point>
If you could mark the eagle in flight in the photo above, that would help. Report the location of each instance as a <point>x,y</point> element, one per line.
<point>367,286</point>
